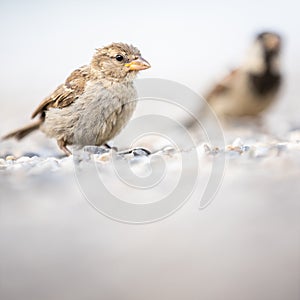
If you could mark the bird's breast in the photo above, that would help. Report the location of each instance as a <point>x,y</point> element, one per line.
<point>106,111</point>
<point>265,83</point>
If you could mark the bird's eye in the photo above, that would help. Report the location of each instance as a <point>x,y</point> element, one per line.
<point>119,57</point>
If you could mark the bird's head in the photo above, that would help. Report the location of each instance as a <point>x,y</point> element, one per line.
<point>118,62</point>
<point>264,54</point>
<point>270,42</point>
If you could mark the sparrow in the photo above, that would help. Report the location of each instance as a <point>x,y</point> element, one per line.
<point>95,102</point>
<point>253,87</point>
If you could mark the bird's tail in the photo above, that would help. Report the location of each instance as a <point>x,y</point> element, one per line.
<point>22,132</point>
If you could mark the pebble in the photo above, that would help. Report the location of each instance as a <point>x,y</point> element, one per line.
<point>10,157</point>
<point>140,158</point>
<point>260,151</point>
<point>23,159</point>
<point>104,158</point>
<point>237,146</point>
<point>211,150</point>
<point>168,150</point>
<point>141,152</point>
<point>237,143</point>
<point>96,149</point>
<point>135,151</point>
<point>30,154</point>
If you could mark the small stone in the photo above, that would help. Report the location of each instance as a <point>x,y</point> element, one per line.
<point>10,157</point>
<point>237,143</point>
<point>206,148</point>
<point>236,146</point>
<point>245,148</point>
<point>235,149</point>
<point>23,159</point>
<point>135,152</point>
<point>80,156</point>
<point>140,152</point>
<point>261,151</point>
<point>104,158</point>
<point>96,149</point>
<point>212,151</point>
<point>168,150</point>
<point>31,154</point>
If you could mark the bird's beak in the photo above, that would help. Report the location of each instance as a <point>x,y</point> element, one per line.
<point>138,64</point>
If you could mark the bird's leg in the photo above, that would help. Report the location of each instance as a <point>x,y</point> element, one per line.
<point>63,146</point>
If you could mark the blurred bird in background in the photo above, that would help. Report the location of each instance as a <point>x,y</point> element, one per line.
<point>250,89</point>
<point>95,102</point>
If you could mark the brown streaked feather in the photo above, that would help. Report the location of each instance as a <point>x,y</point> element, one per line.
<point>222,87</point>
<point>66,93</point>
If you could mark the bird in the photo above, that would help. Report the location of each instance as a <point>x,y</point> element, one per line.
<point>94,103</point>
<point>250,89</point>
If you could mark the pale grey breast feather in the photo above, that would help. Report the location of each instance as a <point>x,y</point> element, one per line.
<point>95,117</point>
<point>105,113</point>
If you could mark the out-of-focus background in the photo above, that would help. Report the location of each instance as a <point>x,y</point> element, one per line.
<point>53,245</point>
<point>192,42</point>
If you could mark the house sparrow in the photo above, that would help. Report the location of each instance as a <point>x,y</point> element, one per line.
<point>252,88</point>
<point>95,102</point>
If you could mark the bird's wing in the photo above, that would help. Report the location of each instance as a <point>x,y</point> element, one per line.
<point>223,86</point>
<point>66,93</point>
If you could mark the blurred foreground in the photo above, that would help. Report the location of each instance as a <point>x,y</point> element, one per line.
<point>244,245</point>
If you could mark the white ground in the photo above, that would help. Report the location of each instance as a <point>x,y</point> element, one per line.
<point>244,245</point>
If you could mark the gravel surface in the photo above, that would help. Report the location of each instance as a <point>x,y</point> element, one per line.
<point>244,245</point>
